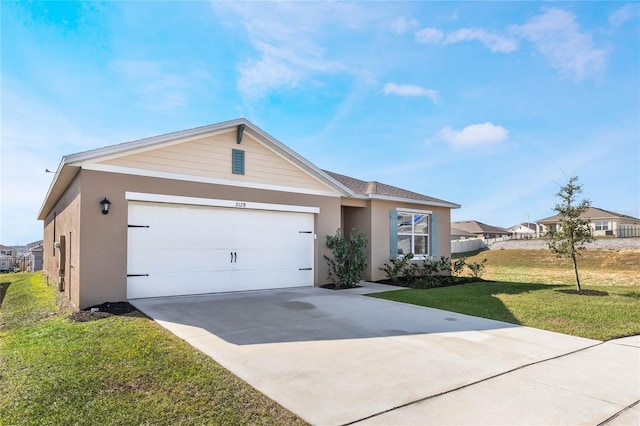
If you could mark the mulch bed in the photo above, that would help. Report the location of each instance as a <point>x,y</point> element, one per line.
<point>104,310</point>
<point>445,281</point>
<point>334,287</point>
<point>585,292</point>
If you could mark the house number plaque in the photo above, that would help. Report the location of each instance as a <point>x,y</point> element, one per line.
<point>241,205</point>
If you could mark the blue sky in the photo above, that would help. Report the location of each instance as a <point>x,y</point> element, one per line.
<point>491,105</point>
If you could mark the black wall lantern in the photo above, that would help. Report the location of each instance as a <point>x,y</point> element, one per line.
<point>105,205</point>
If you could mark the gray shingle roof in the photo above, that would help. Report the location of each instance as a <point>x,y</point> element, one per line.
<point>475,227</point>
<point>591,213</point>
<point>362,187</point>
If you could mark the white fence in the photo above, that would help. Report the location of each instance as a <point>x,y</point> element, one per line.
<point>463,246</point>
<point>628,231</point>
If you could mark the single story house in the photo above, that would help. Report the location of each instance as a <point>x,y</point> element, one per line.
<point>525,230</point>
<point>460,235</point>
<point>479,229</point>
<point>225,207</point>
<point>603,222</point>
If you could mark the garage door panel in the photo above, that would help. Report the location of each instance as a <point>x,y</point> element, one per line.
<point>197,249</point>
<point>177,284</point>
<point>272,278</point>
<point>159,260</point>
<point>179,237</point>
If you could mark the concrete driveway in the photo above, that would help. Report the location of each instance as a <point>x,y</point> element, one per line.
<point>334,357</point>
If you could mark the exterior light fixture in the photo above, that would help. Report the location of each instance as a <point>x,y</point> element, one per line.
<point>105,205</point>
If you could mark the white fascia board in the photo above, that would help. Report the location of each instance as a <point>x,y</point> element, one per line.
<point>205,179</point>
<point>412,201</point>
<point>61,179</point>
<point>211,202</point>
<point>127,148</point>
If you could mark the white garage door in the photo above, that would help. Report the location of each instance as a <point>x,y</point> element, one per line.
<point>176,249</point>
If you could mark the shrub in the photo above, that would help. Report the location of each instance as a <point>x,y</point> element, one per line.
<point>396,269</point>
<point>477,268</point>
<point>458,266</point>
<point>349,258</point>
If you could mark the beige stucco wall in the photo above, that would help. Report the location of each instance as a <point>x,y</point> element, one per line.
<point>104,237</point>
<point>64,220</point>
<point>380,232</point>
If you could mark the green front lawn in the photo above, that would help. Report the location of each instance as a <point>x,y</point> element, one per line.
<point>117,370</point>
<point>526,292</point>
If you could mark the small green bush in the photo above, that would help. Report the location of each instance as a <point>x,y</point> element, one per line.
<point>477,268</point>
<point>349,258</point>
<point>395,270</point>
<point>458,266</point>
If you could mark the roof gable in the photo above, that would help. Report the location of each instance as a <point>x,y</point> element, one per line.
<point>158,155</point>
<point>210,156</point>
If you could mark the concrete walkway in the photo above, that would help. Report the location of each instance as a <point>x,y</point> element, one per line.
<point>333,357</point>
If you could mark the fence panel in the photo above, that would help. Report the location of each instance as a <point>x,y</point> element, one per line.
<point>628,231</point>
<point>463,246</point>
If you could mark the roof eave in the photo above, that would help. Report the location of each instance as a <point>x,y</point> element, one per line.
<point>414,201</point>
<point>61,180</point>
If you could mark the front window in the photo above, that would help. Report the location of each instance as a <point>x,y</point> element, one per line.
<point>602,225</point>
<point>413,233</point>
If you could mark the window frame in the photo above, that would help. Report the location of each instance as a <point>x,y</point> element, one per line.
<point>601,225</point>
<point>429,234</point>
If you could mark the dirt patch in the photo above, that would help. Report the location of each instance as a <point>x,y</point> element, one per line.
<point>103,310</point>
<point>585,292</point>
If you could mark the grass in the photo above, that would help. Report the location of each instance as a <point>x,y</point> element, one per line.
<point>525,292</point>
<point>118,370</point>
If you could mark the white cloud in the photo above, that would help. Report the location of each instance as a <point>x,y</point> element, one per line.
<point>626,13</point>
<point>258,77</point>
<point>558,37</point>
<point>429,36</point>
<point>402,25</point>
<point>493,42</point>
<point>409,90</point>
<point>474,135</point>
<point>288,41</point>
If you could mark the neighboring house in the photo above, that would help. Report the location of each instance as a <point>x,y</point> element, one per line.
<point>479,229</point>
<point>224,207</point>
<point>523,231</point>
<point>8,251</point>
<point>459,234</point>
<point>602,222</point>
<point>35,257</point>
<point>7,257</point>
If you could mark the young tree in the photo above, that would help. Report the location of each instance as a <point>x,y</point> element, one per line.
<point>573,232</point>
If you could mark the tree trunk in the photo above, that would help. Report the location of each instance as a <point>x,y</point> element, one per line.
<point>575,270</point>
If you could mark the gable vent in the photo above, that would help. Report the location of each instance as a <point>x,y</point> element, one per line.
<point>237,162</point>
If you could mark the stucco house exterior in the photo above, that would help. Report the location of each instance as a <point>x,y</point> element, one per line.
<point>603,223</point>
<point>224,207</point>
<point>524,230</point>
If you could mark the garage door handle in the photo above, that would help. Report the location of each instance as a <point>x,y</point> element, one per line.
<point>234,257</point>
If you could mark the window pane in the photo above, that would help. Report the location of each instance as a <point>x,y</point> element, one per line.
<point>404,244</point>
<point>404,223</point>
<point>421,245</point>
<point>421,224</point>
